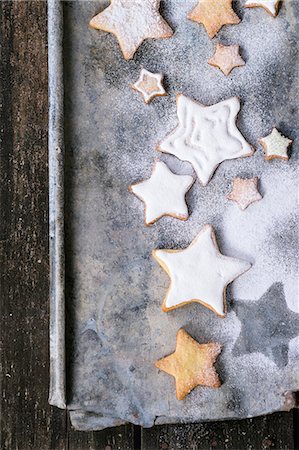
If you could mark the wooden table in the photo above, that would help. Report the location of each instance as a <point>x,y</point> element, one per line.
<point>27,421</point>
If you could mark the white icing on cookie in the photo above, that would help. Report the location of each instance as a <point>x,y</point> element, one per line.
<point>199,273</point>
<point>132,21</point>
<point>270,6</point>
<point>149,85</point>
<point>276,145</point>
<point>163,194</point>
<point>206,135</point>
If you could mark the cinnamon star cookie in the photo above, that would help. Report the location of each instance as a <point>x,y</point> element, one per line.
<point>191,364</point>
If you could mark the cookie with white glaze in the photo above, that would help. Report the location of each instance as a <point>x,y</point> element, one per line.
<point>276,145</point>
<point>163,194</point>
<point>199,273</point>
<point>206,135</point>
<point>149,85</point>
<point>271,6</point>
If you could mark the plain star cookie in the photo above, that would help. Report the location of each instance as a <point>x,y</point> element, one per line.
<point>271,6</point>
<point>199,273</point>
<point>191,364</point>
<point>226,58</point>
<point>245,192</point>
<point>132,22</point>
<point>163,194</point>
<point>206,135</point>
<point>213,14</point>
<point>276,145</point>
<point>149,85</point>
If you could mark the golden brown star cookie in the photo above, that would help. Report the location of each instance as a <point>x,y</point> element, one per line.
<point>191,364</point>
<point>132,22</point>
<point>226,58</point>
<point>213,14</point>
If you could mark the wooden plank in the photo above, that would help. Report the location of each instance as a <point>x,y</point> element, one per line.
<point>27,420</point>
<point>118,438</point>
<point>267,432</point>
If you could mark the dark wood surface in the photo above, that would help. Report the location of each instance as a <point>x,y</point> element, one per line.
<point>27,421</point>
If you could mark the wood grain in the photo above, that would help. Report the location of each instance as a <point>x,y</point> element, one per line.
<point>27,421</point>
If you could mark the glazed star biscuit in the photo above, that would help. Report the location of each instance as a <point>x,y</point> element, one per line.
<point>149,85</point>
<point>191,364</point>
<point>271,6</point>
<point>276,145</point>
<point>132,22</point>
<point>213,14</point>
<point>206,135</point>
<point>226,58</point>
<point>245,192</point>
<point>199,273</point>
<point>163,194</point>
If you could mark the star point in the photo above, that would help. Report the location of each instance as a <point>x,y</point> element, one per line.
<point>163,194</point>
<point>206,135</point>
<point>245,192</point>
<point>213,14</point>
<point>199,273</point>
<point>132,22</point>
<point>271,6</point>
<point>276,145</point>
<point>226,58</point>
<point>192,364</point>
<point>149,85</point>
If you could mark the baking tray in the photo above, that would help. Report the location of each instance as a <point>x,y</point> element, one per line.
<point>102,362</point>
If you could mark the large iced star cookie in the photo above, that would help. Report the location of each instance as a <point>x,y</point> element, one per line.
<point>191,364</point>
<point>206,135</point>
<point>271,6</point>
<point>199,273</point>
<point>163,194</point>
<point>132,21</point>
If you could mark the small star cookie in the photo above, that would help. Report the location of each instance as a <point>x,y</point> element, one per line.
<point>271,6</point>
<point>191,364</point>
<point>226,58</point>
<point>245,192</point>
<point>206,135</point>
<point>276,145</point>
<point>163,194</point>
<point>149,85</point>
<point>132,22</point>
<point>199,273</point>
<point>213,14</point>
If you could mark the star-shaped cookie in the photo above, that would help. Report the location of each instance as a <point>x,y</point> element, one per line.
<point>271,6</point>
<point>226,58</point>
<point>132,22</point>
<point>275,327</point>
<point>206,135</point>
<point>245,192</point>
<point>163,194</point>
<point>149,85</point>
<point>276,145</point>
<point>191,364</point>
<point>199,273</point>
<point>213,14</point>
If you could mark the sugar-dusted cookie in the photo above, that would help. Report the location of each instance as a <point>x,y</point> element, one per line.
<point>132,22</point>
<point>226,58</point>
<point>149,85</point>
<point>163,194</point>
<point>271,6</point>
<point>192,364</point>
<point>206,135</point>
<point>213,14</point>
<point>276,145</point>
<point>245,192</point>
<point>199,273</point>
